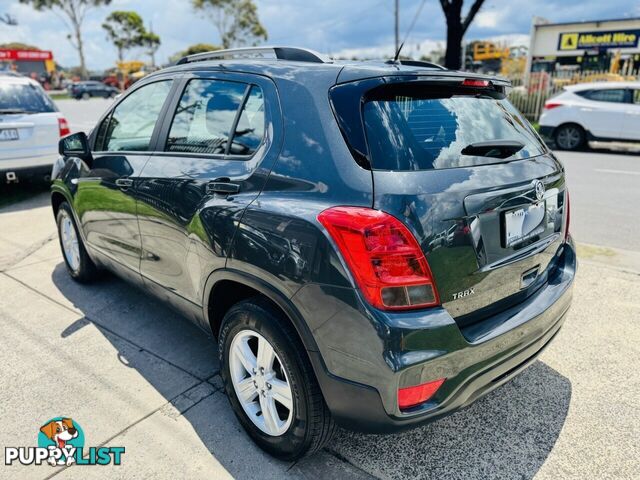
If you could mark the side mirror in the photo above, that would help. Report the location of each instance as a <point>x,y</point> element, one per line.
<point>75,145</point>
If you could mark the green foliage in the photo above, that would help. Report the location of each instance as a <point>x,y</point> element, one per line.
<point>193,49</point>
<point>151,42</point>
<point>126,30</point>
<point>237,21</point>
<point>200,48</point>
<point>18,46</point>
<point>67,6</point>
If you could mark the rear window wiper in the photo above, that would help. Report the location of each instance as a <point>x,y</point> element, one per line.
<point>12,110</point>
<point>493,148</point>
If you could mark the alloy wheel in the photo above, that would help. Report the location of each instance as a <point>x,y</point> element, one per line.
<point>70,245</point>
<point>260,382</point>
<point>569,138</point>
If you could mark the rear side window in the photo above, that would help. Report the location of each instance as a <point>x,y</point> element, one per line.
<point>421,128</point>
<point>211,112</point>
<point>24,98</point>
<point>130,126</point>
<point>613,95</point>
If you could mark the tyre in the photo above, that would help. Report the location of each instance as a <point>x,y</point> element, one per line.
<point>113,95</point>
<point>270,383</point>
<point>569,137</point>
<point>86,96</point>
<point>79,264</point>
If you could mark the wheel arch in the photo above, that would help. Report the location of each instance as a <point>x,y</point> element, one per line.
<point>231,286</point>
<point>571,122</point>
<point>57,198</point>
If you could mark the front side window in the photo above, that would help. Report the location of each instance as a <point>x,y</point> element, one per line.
<point>636,96</point>
<point>614,95</point>
<point>205,116</point>
<point>130,126</point>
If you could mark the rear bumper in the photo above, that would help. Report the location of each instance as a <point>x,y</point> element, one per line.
<point>33,172</point>
<point>32,161</point>
<point>439,349</point>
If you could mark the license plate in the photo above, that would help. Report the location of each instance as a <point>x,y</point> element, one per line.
<point>523,223</point>
<point>7,134</point>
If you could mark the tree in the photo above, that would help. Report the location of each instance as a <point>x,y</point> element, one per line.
<point>151,43</point>
<point>237,21</point>
<point>73,14</point>
<point>18,46</point>
<point>193,49</point>
<point>8,20</point>
<point>126,30</point>
<point>456,28</point>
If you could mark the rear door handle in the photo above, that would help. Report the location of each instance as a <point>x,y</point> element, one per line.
<point>124,182</point>
<point>222,187</point>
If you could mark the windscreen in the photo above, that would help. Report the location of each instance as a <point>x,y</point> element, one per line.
<point>424,127</point>
<point>24,98</point>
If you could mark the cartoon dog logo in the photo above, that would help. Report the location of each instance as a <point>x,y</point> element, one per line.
<point>60,432</point>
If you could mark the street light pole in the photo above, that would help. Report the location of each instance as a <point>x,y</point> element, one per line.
<point>397,23</point>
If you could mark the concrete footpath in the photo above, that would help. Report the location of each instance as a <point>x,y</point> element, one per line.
<point>134,374</point>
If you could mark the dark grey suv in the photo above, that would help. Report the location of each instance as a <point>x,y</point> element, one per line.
<point>373,245</point>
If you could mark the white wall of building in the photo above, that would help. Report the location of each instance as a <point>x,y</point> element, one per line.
<point>545,38</point>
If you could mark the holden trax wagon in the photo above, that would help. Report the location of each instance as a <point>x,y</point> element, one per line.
<point>373,245</point>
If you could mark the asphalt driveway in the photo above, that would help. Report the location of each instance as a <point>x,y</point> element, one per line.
<point>135,374</point>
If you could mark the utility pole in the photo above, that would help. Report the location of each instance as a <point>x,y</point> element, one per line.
<point>397,24</point>
<point>152,51</point>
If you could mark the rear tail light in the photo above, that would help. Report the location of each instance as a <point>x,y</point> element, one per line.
<point>411,396</point>
<point>383,256</point>
<point>63,126</point>
<point>567,214</point>
<point>472,82</point>
<point>552,105</point>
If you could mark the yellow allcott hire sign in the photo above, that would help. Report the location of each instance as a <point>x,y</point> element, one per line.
<point>586,40</point>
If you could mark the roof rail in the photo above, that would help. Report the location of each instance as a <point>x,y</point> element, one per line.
<point>256,53</point>
<point>417,63</point>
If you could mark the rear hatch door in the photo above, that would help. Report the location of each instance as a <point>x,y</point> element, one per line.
<point>474,183</point>
<point>28,122</point>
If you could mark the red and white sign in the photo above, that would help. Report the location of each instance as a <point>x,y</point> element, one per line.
<point>28,55</point>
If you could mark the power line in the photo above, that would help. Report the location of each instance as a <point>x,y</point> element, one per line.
<point>413,23</point>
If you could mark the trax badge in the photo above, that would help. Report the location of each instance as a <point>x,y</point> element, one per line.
<point>464,293</point>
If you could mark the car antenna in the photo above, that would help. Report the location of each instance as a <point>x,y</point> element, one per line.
<point>413,23</point>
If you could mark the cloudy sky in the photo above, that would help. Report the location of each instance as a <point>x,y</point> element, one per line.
<point>339,27</point>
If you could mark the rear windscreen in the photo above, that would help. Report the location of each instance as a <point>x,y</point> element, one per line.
<point>422,128</point>
<point>24,98</point>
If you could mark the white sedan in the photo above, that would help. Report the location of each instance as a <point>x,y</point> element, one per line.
<point>599,111</point>
<point>30,128</point>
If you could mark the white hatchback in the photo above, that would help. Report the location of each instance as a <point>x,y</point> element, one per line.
<point>599,111</point>
<point>30,128</point>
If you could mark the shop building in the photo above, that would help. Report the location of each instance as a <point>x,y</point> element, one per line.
<point>602,46</point>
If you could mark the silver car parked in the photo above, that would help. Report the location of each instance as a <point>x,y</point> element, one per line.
<point>30,127</point>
